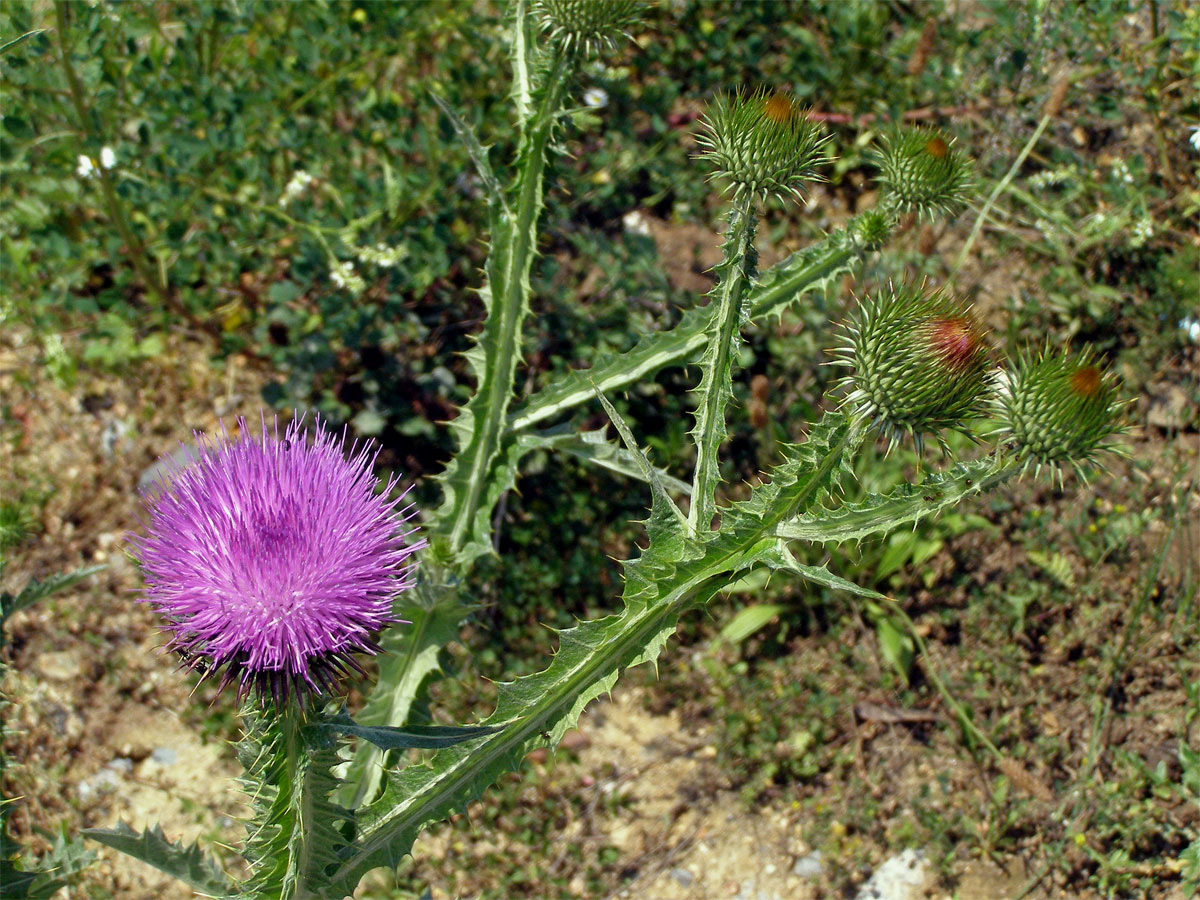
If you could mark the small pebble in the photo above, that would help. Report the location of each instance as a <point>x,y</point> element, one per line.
<point>683,876</point>
<point>808,866</point>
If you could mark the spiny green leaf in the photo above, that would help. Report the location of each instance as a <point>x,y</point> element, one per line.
<point>36,590</point>
<point>783,560</point>
<point>662,505</point>
<point>493,360</point>
<point>778,288</point>
<point>411,737</point>
<point>593,447</point>
<point>408,657</point>
<point>722,338</point>
<point>189,863</point>
<point>294,839</point>
<point>521,51</point>
<point>905,504</point>
<point>477,152</point>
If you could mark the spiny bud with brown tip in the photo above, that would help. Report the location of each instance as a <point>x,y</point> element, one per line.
<point>920,364</point>
<point>761,143</point>
<point>922,172</point>
<point>1059,409</point>
<point>586,27</point>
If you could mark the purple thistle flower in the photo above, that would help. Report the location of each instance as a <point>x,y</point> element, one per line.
<point>274,560</point>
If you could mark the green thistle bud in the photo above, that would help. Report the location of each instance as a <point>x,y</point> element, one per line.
<point>920,364</point>
<point>762,143</point>
<point>586,27</point>
<point>922,172</point>
<point>873,227</point>
<point>1059,409</point>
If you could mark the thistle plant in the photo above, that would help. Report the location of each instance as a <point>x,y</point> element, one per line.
<point>274,560</point>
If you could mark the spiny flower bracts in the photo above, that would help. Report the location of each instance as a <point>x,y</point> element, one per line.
<point>1059,409</point>
<point>922,172</point>
<point>761,143</point>
<point>919,363</point>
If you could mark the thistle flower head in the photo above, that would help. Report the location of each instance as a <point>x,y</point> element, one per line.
<point>1059,409</point>
<point>923,172</point>
<point>586,27</point>
<point>761,143</point>
<point>919,361</point>
<point>274,559</point>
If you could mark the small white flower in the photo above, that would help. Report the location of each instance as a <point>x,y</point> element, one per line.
<point>1141,231</point>
<point>343,275</point>
<point>1121,172</point>
<point>108,158</point>
<point>85,168</point>
<point>635,223</point>
<point>294,188</point>
<point>1194,140</point>
<point>382,255</point>
<point>596,98</point>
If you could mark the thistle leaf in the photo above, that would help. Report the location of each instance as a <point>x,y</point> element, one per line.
<point>722,338</point>
<point>662,505</point>
<point>412,737</point>
<point>907,503</point>
<point>593,447</point>
<point>36,591</point>
<point>787,282</point>
<point>522,63</point>
<point>493,360</point>
<point>294,839</point>
<point>189,863</point>
<point>409,656</point>
<point>782,560</point>
<point>477,152</point>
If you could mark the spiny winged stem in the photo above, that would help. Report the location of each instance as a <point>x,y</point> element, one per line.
<point>509,261</point>
<point>293,838</point>
<point>715,385</point>
<point>509,284</point>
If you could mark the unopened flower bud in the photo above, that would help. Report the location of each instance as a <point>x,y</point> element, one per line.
<point>922,172</point>
<point>873,227</point>
<point>920,363</point>
<point>761,143</point>
<point>586,27</point>
<point>1059,409</point>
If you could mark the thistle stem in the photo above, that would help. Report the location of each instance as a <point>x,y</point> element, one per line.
<point>717,363</point>
<point>512,294</point>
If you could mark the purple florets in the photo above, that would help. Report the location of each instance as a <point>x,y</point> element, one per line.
<point>275,559</point>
